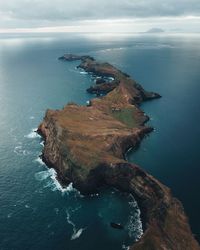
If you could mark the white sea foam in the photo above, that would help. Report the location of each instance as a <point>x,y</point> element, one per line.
<point>133,204</point>
<point>124,247</point>
<point>134,225</point>
<point>32,117</point>
<point>83,72</point>
<point>43,175</point>
<point>20,151</point>
<point>76,232</point>
<point>17,150</point>
<point>56,184</point>
<point>70,221</point>
<point>40,161</point>
<point>33,134</point>
<point>50,176</point>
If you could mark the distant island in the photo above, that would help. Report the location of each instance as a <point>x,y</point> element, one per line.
<point>155,30</point>
<point>87,146</point>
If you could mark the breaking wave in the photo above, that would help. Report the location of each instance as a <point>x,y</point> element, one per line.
<point>77,234</point>
<point>134,225</point>
<point>50,178</point>
<point>83,72</point>
<point>124,247</point>
<point>40,161</point>
<point>43,175</point>
<point>33,134</point>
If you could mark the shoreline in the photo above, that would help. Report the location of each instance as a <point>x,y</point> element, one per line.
<point>69,151</point>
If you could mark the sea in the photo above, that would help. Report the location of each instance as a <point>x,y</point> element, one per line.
<point>36,212</point>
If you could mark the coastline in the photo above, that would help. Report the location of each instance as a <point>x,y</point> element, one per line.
<point>161,213</point>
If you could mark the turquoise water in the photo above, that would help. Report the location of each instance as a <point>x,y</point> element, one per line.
<point>36,213</point>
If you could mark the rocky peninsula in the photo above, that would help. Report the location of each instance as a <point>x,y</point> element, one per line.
<point>87,146</point>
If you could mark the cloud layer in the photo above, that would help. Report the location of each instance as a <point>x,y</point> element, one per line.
<point>34,13</point>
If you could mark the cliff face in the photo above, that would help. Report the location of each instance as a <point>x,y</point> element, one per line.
<point>87,145</point>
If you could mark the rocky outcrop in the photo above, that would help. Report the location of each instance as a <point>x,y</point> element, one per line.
<point>71,57</point>
<point>102,88</point>
<point>87,146</point>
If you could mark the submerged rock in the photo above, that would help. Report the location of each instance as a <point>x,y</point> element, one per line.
<point>116,225</point>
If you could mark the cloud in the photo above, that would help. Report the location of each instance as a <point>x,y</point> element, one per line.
<point>91,9</point>
<point>41,13</point>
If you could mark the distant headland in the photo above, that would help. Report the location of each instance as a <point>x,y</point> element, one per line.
<point>155,30</point>
<point>86,145</point>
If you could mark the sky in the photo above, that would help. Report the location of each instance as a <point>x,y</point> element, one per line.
<point>99,15</point>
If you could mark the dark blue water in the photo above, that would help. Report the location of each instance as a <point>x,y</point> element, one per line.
<point>36,213</point>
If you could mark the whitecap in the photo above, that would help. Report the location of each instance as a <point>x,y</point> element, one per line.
<point>17,150</point>
<point>9,215</point>
<point>43,175</point>
<point>42,143</point>
<point>32,117</point>
<point>20,151</point>
<point>56,184</point>
<point>50,176</point>
<point>40,161</point>
<point>83,72</point>
<point>33,134</point>
<point>77,234</point>
<point>125,247</point>
<point>25,152</point>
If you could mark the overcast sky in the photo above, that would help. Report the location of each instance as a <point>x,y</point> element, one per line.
<point>100,15</point>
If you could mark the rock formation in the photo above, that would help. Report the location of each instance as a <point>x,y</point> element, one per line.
<point>87,146</point>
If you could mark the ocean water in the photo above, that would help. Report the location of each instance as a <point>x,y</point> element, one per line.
<point>36,212</point>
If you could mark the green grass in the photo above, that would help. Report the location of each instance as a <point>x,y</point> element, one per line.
<point>125,116</point>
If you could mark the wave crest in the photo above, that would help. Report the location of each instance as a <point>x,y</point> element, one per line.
<point>50,176</point>
<point>33,134</point>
